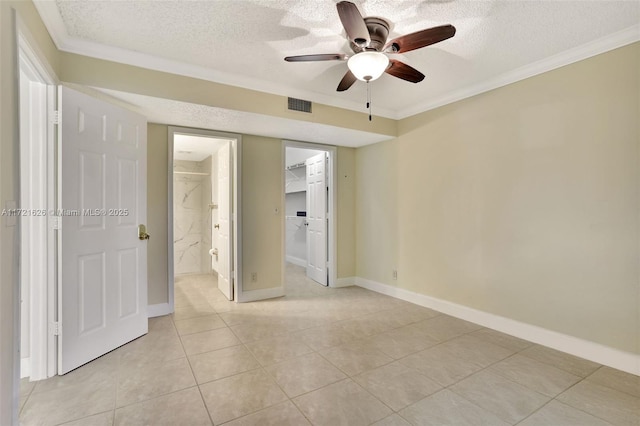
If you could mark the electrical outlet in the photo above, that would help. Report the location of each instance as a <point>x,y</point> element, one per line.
<point>394,274</point>
<point>254,277</point>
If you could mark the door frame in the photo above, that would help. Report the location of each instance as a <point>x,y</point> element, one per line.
<point>41,248</point>
<point>236,175</point>
<point>332,179</point>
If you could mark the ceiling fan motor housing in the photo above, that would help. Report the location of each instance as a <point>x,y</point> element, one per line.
<point>378,32</point>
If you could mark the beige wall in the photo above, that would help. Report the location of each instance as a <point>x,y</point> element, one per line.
<point>346,206</point>
<point>376,212</point>
<point>262,233</point>
<point>522,202</point>
<point>43,45</point>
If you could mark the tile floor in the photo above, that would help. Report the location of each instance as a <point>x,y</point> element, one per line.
<point>328,357</point>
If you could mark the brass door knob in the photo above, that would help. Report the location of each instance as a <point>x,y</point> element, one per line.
<point>142,232</point>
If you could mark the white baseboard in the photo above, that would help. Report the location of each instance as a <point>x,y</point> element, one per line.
<point>267,293</point>
<point>158,310</point>
<point>296,261</point>
<point>345,282</point>
<point>25,367</point>
<point>592,351</point>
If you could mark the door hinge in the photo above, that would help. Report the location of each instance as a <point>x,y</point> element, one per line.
<point>55,328</point>
<point>55,222</point>
<point>55,117</point>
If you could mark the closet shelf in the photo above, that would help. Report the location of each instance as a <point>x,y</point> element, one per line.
<point>296,166</point>
<point>191,173</point>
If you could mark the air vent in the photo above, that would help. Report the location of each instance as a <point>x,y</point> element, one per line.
<point>299,105</point>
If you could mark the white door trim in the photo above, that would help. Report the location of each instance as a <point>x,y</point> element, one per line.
<point>38,245</point>
<point>236,153</point>
<point>332,215</point>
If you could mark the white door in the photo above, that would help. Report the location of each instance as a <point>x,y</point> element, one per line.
<point>225,267</point>
<point>103,285</point>
<point>317,218</point>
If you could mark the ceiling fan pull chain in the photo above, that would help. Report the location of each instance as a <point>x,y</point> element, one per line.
<point>369,99</point>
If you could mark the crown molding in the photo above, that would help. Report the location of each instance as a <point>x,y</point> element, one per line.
<point>53,21</point>
<point>596,47</point>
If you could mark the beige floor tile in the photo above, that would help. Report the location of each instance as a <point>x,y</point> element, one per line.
<point>207,341</point>
<point>161,324</point>
<point>253,331</point>
<point>152,380</point>
<point>397,385</point>
<point>193,311</point>
<point>318,338</point>
<point>400,342</point>
<point>501,339</point>
<point>102,419</point>
<point>508,400</point>
<point>184,407</point>
<point>445,408</point>
<point>232,397</point>
<point>572,364</point>
<point>392,420</point>
<point>101,370</point>
<point>283,414</point>
<point>535,375</point>
<point>275,350</point>
<point>68,403</point>
<point>444,327</point>
<point>221,363</point>
<point>304,374</point>
<point>616,379</point>
<point>608,404</point>
<point>356,357</point>
<point>342,403</point>
<point>198,324</point>
<point>364,326</point>
<point>456,359</point>
<point>406,314</point>
<point>26,387</point>
<point>558,414</point>
<point>163,346</point>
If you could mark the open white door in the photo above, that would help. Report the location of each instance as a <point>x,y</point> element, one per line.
<point>225,260</point>
<point>103,286</point>
<point>317,218</point>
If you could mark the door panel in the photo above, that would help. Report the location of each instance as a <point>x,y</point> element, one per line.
<point>317,218</point>
<point>103,285</point>
<point>225,281</point>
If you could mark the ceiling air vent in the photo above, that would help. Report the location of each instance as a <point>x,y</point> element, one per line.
<point>299,105</point>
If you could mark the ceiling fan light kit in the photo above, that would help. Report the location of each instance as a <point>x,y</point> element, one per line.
<point>368,65</point>
<point>368,40</point>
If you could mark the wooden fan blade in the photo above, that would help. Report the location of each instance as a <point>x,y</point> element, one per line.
<point>353,23</point>
<point>421,39</point>
<point>319,57</point>
<point>346,82</point>
<point>404,71</point>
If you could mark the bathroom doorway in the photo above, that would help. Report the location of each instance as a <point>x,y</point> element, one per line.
<point>203,189</point>
<point>309,200</point>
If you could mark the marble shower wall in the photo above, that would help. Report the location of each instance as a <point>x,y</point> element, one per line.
<point>191,237</point>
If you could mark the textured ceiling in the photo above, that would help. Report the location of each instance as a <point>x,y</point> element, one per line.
<point>195,148</point>
<point>243,43</point>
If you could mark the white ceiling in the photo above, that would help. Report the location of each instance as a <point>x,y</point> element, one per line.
<point>195,148</point>
<point>243,42</point>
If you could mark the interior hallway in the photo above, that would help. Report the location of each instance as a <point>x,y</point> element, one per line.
<point>326,356</point>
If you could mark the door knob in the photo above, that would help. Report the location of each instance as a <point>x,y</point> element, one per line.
<point>142,232</point>
<point>217,226</point>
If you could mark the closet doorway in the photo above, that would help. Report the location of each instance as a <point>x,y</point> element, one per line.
<point>309,200</point>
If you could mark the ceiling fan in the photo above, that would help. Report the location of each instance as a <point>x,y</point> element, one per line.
<point>368,40</point>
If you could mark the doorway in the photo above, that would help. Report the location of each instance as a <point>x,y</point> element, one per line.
<point>309,200</point>
<point>37,200</point>
<point>203,194</point>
